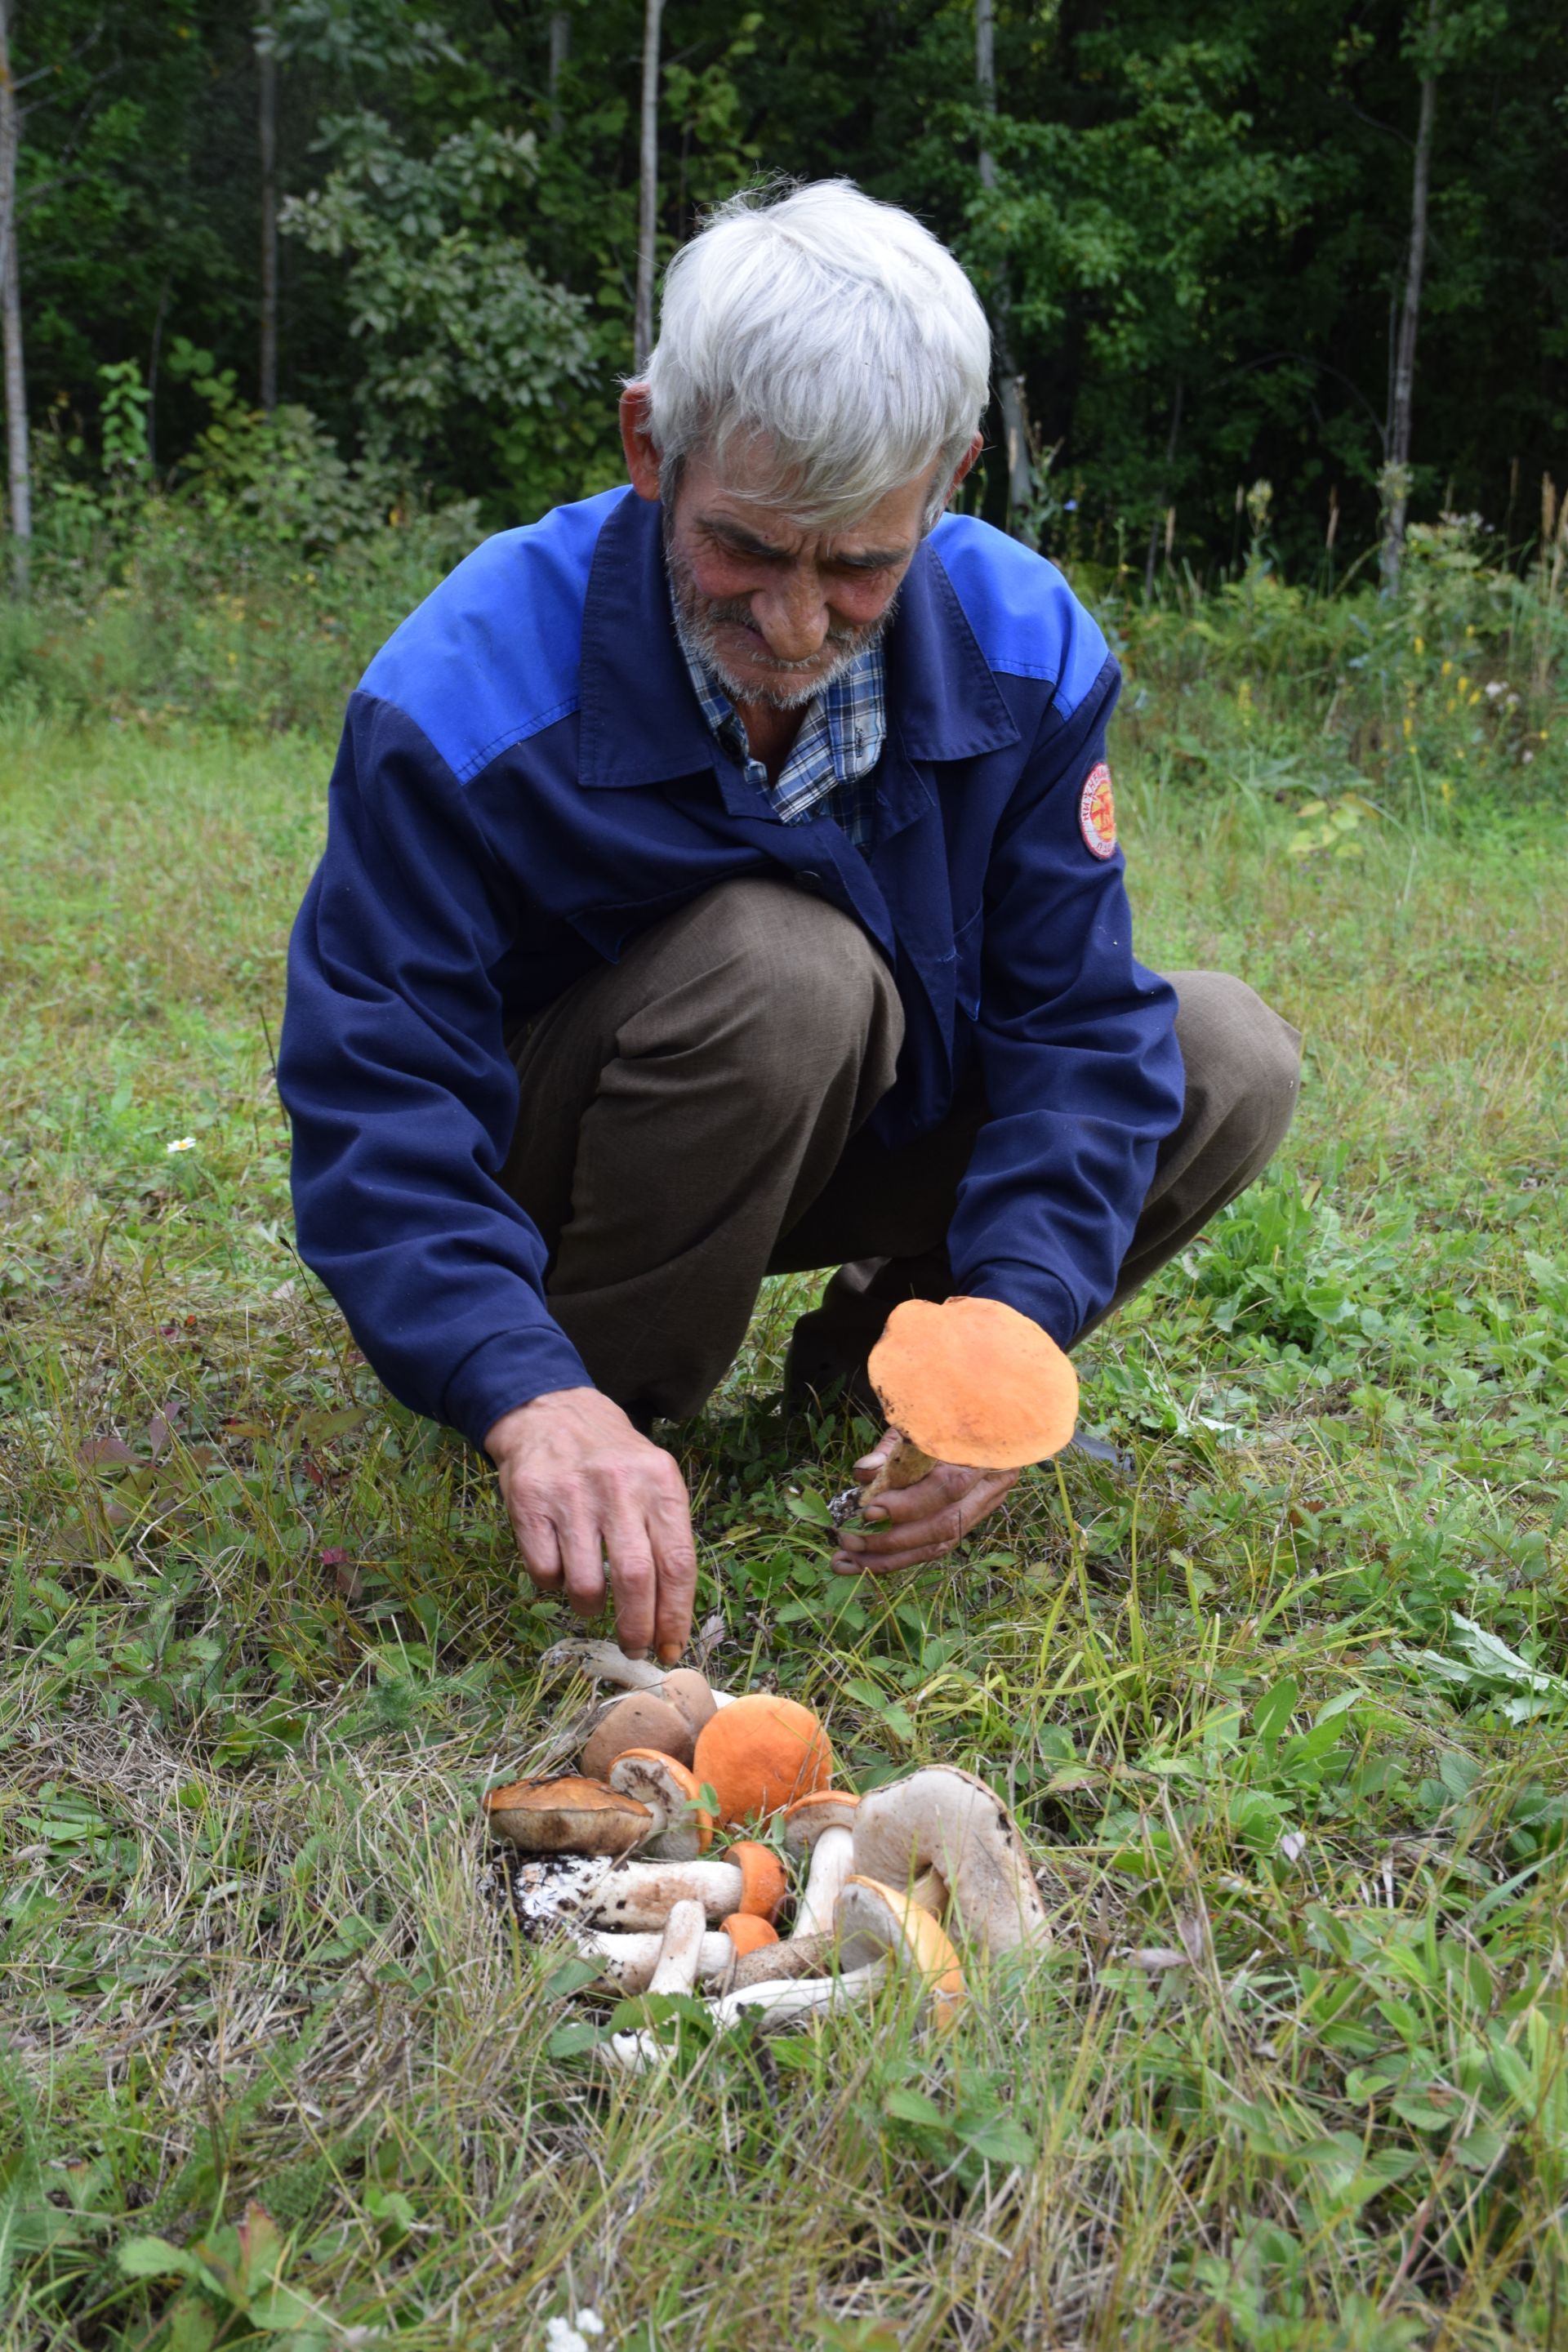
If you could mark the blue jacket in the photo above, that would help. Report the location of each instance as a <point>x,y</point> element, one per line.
<point>526,780</point>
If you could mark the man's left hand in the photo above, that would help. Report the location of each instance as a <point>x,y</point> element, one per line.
<point>906,1524</point>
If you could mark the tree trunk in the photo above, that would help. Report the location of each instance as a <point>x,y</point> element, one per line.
<point>1396,482</point>
<point>647,209</point>
<point>1175,435</point>
<point>18,464</point>
<point>1009,383</point>
<point>267,130</point>
<point>560,50</point>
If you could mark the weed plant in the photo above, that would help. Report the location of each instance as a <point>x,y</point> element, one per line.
<point>1280,1690</point>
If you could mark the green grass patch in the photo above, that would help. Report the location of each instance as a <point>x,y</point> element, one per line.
<point>1283,1702</point>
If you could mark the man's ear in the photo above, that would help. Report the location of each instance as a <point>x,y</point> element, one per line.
<point>642,458</point>
<point>966,462</point>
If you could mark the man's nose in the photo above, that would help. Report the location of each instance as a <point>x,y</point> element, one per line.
<point>792,616</point>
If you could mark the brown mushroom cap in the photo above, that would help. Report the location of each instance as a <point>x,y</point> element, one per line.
<point>641,1719</point>
<point>685,1688</point>
<point>760,1753</point>
<point>973,1381</point>
<point>566,1816</point>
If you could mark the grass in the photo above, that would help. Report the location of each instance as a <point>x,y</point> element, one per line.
<point>1283,1702</point>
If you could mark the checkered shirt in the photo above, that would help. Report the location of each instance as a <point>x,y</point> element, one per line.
<point>832,757</point>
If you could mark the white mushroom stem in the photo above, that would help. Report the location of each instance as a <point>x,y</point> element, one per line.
<point>779,2001</point>
<point>674,1971</point>
<point>832,1859</point>
<point>629,1960</point>
<point>643,1893</point>
<point>602,1662</point>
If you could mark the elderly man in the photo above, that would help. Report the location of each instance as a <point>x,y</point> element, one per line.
<point>722,880</point>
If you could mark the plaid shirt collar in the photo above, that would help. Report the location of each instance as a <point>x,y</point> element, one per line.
<point>839,743</point>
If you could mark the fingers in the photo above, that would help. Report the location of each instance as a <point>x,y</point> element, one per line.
<point>675,1557</point>
<point>621,1514</point>
<point>924,1521</point>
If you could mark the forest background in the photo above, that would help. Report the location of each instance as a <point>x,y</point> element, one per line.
<point>408,234</point>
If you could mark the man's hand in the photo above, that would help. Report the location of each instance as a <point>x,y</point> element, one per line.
<point>583,1486</point>
<point>911,1524</point>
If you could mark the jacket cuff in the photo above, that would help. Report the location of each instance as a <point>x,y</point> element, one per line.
<point>511,1370</point>
<point>1044,1297</point>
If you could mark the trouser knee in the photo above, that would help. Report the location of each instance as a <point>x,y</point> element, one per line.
<point>794,984</point>
<point>1243,1066</point>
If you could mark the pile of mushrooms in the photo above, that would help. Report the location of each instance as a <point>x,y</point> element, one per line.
<point>622,1858</point>
<point>624,1862</point>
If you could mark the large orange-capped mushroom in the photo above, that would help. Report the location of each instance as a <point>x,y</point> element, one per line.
<point>972,1381</point>
<point>760,1753</point>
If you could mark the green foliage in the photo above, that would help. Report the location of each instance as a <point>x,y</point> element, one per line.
<point>1200,218</point>
<point>452,317</point>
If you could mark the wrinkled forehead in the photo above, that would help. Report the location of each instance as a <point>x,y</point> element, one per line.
<point>755,491</point>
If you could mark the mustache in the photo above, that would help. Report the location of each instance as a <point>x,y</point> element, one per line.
<point>720,612</point>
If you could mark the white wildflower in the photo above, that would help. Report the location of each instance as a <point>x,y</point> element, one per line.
<point>568,2335</point>
<point>182,1143</point>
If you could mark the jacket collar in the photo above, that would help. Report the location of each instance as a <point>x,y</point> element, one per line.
<point>642,724</point>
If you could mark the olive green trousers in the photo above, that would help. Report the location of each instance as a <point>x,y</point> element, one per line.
<point>691,1121</point>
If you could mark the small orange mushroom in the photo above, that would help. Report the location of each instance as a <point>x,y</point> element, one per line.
<point>747,1932</point>
<point>762,1882</point>
<point>760,1753</point>
<point>971,1381</point>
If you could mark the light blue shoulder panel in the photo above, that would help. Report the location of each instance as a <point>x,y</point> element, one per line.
<point>492,655</point>
<point>1026,619</point>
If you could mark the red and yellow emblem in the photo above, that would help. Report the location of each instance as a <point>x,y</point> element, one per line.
<point>1097,811</point>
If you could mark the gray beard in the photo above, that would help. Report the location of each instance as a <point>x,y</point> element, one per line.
<point>698,618</point>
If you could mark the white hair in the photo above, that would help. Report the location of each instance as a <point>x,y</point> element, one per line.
<point>830,329</point>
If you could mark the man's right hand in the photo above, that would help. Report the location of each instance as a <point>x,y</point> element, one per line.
<point>582,1487</point>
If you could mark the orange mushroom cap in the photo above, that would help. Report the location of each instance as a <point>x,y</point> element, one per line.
<point>762,1882</point>
<point>973,1381</point>
<point>760,1753</point>
<point>747,1932</point>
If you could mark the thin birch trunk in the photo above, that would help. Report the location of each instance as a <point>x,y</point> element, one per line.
<point>267,131</point>
<point>1396,472</point>
<point>19,475</point>
<point>647,209</point>
<point>1166,511</point>
<point>1009,383</point>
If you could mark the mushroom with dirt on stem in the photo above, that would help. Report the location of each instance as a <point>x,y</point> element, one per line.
<point>969,1382</point>
<point>634,1894</point>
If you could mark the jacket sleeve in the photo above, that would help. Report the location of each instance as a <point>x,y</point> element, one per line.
<point>1077,1045</point>
<point>401,1096</point>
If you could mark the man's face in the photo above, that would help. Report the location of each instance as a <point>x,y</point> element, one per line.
<point>775,608</point>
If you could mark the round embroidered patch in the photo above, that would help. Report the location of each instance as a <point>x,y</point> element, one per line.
<point>1097,811</point>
